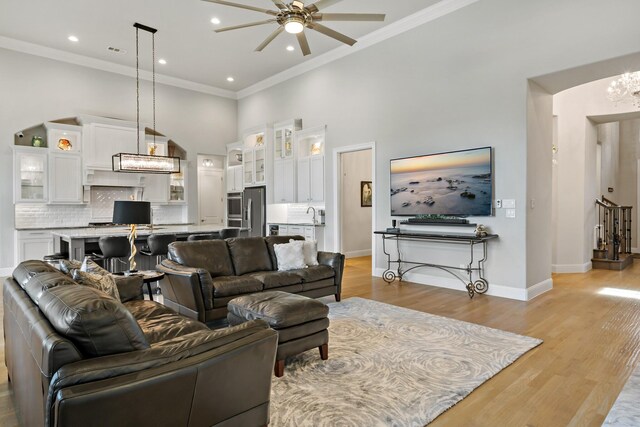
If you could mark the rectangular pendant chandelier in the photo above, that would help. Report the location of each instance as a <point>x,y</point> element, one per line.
<point>144,163</point>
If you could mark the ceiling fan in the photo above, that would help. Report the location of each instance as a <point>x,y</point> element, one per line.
<point>294,17</point>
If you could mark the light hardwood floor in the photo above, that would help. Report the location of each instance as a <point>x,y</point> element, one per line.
<point>591,346</point>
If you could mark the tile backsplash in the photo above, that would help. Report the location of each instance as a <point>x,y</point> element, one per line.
<point>100,209</point>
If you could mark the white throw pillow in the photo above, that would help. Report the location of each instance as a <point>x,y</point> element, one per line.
<point>310,251</point>
<point>290,256</point>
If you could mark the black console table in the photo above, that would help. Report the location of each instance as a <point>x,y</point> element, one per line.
<point>480,285</point>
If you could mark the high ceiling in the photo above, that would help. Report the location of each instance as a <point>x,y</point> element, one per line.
<point>185,35</point>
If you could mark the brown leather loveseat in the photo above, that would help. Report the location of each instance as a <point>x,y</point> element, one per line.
<point>203,276</point>
<point>78,357</point>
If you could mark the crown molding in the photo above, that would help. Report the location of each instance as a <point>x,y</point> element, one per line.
<point>403,25</point>
<point>99,64</point>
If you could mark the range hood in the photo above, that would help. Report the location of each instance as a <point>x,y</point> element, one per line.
<point>108,178</point>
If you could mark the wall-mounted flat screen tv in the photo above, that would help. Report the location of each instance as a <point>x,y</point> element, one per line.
<point>457,183</point>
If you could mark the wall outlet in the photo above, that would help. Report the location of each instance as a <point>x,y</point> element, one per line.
<point>509,203</point>
<point>510,213</point>
<point>498,203</point>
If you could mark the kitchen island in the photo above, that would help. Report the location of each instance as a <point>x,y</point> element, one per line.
<point>79,242</point>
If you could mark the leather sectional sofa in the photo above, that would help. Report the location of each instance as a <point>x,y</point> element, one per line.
<point>203,276</point>
<point>76,356</point>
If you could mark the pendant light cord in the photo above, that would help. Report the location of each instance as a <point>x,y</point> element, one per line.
<point>138,89</point>
<point>153,72</point>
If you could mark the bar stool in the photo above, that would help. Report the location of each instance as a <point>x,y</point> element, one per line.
<point>54,259</point>
<point>113,248</point>
<point>227,233</point>
<point>158,245</point>
<point>194,237</point>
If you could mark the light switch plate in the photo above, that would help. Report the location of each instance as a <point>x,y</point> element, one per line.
<point>509,203</point>
<point>510,213</point>
<point>498,204</point>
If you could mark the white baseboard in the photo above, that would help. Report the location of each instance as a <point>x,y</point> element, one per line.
<point>539,289</point>
<point>356,254</point>
<point>635,251</point>
<point>571,268</point>
<point>450,283</point>
<point>5,272</point>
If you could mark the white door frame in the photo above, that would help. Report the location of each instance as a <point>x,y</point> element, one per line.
<point>337,195</point>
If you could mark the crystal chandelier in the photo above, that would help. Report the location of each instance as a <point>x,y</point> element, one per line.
<point>625,88</point>
<point>145,163</point>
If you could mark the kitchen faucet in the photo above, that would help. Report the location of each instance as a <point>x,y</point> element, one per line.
<point>314,213</point>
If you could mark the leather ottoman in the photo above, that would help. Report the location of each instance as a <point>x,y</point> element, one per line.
<point>301,322</point>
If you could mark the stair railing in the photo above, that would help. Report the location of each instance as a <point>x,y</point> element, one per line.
<point>613,229</point>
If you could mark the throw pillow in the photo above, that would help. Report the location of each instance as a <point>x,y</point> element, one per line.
<point>290,256</point>
<point>90,266</point>
<point>310,251</point>
<point>68,265</point>
<point>105,283</point>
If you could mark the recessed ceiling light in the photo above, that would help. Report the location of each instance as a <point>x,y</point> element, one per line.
<point>73,39</point>
<point>215,21</point>
<point>291,48</point>
<point>230,79</point>
<point>162,61</point>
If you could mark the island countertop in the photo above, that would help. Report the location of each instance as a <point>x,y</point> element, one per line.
<point>97,232</point>
<point>79,241</point>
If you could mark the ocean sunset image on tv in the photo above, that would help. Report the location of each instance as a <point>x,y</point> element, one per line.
<point>458,183</point>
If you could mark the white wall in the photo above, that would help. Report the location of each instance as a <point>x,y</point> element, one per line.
<point>356,220</point>
<point>454,83</point>
<point>34,90</point>
<point>609,139</point>
<point>627,192</point>
<point>539,182</point>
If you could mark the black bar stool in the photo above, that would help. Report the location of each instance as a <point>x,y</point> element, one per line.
<point>194,237</point>
<point>227,233</point>
<point>158,245</point>
<point>113,248</point>
<point>54,259</point>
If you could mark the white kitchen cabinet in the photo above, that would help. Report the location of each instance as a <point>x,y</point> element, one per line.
<point>30,175</point>
<point>65,178</point>
<point>295,230</point>
<point>284,179</point>
<point>234,179</point>
<point>256,159</point>
<point>33,244</point>
<point>63,138</point>
<point>310,176</point>
<point>102,141</point>
<point>156,188</point>
<point>178,184</point>
<point>283,135</point>
<point>316,180</point>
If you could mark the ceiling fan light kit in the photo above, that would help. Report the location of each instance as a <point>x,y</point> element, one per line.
<point>295,17</point>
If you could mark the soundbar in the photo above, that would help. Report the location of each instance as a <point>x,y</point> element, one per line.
<point>421,221</point>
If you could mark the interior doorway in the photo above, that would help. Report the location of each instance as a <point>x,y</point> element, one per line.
<point>354,200</point>
<point>211,190</point>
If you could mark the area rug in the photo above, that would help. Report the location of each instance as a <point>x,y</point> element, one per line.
<point>390,366</point>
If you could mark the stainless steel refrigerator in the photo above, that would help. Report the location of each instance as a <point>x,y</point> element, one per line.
<point>254,218</point>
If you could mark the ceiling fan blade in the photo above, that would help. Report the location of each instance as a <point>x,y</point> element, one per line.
<point>319,5</point>
<point>270,38</point>
<point>332,33</point>
<point>252,24</point>
<point>244,6</point>
<point>280,5</point>
<point>304,44</point>
<point>349,17</point>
